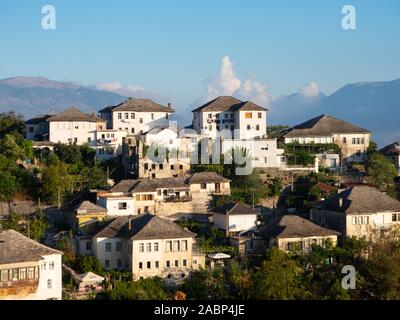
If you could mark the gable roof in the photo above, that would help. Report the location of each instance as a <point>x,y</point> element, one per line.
<point>361,199</point>
<point>148,185</point>
<point>143,227</point>
<point>292,226</point>
<point>140,105</point>
<point>234,208</point>
<point>15,247</point>
<point>229,103</point>
<point>206,177</point>
<point>390,149</point>
<point>38,119</point>
<point>74,114</point>
<point>87,207</point>
<point>126,185</point>
<point>321,126</point>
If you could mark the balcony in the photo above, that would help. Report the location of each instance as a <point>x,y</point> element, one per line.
<point>177,198</point>
<point>107,141</point>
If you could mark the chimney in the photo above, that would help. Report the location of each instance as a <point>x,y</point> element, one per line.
<point>340,202</point>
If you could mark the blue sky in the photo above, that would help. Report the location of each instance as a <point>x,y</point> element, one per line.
<point>176,47</point>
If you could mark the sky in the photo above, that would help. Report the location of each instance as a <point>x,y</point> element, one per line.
<point>188,51</point>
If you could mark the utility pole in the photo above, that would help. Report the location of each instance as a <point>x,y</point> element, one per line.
<point>253,200</point>
<point>59,198</point>
<point>292,187</point>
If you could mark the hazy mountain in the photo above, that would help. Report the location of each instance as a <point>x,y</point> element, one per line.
<point>34,95</point>
<point>372,105</point>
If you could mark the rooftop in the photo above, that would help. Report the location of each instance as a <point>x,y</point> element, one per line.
<point>234,208</point>
<point>292,226</point>
<point>87,207</point>
<point>38,119</point>
<point>228,103</point>
<point>207,177</point>
<point>143,227</point>
<point>140,105</point>
<point>15,247</point>
<point>361,199</point>
<point>323,125</point>
<point>74,114</point>
<point>393,148</point>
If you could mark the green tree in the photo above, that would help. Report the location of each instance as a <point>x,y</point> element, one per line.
<point>381,171</point>
<point>38,226</point>
<point>276,131</point>
<point>8,186</point>
<point>55,178</point>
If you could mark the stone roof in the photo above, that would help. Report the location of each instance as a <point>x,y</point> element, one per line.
<point>87,207</point>
<point>74,114</point>
<point>38,119</point>
<point>292,226</point>
<point>149,185</point>
<point>234,208</point>
<point>124,186</point>
<point>140,105</point>
<point>229,104</point>
<point>361,199</point>
<point>15,248</point>
<point>323,125</point>
<point>206,177</point>
<point>391,149</point>
<point>143,227</point>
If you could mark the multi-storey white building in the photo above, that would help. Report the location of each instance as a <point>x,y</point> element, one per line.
<point>243,120</point>
<point>325,129</point>
<point>74,126</point>
<point>148,246</point>
<point>28,269</point>
<point>136,115</point>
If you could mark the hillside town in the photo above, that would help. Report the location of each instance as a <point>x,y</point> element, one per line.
<point>126,204</point>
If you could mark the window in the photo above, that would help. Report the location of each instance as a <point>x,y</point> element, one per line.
<point>217,116</point>
<point>177,246</point>
<point>168,246</point>
<point>149,247</point>
<point>184,245</point>
<point>157,264</point>
<point>132,116</point>
<point>146,166</point>
<point>49,284</point>
<point>88,246</point>
<point>119,115</point>
<point>89,139</point>
<point>259,115</point>
<point>217,127</point>
<point>119,263</point>
<point>126,116</point>
<point>248,127</point>
<point>265,160</point>
<point>181,167</point>
<point>258,127</point>
<point>265,148</point>
<point>172,167</point>
<point>141,120</point>
<point>31,273</point>
<point>153,166</point>
<point>226,116</point>
<point>132,130</point>
<point>30,129</point>
<point>141,247</point>
<point>161,166</point>
<point>344,140</point>
<point>43,266</point>
<point>362,141</point>
<point>176,263</point>
<point>168,264</point>
<point>140,265</point>
<point>15,274</point>
<point>122,206</point>
<point>118,246</point>
<point>184,263</point>
<point>107,263</point>
<point>148,265</point>
<point>76,127</point>
<point>22,273</point>
<point>156,246</point>
<point>203,186</point>
<point>152,116</point>
<point>358,153</point>
<point>395,217</point>
<point>75,140</point>
<point>108,246</point>
<point>210,128</point>
<point>4,275</point>
<point>209,116</point>
<point>248,115</point>
<point>166,116</point>
<point>232,115</point>
<point>51,265</point>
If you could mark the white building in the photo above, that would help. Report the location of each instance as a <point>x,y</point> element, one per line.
<point>234,217</point>
<point>148,246</point>
<point>242,120</point>
<point>109,143</point>
<point>37,128</point>
<point>28,269</point>
<point>392,151</point>
<point>74,126</point>
<point>136,115</point>
<point>325,129</point>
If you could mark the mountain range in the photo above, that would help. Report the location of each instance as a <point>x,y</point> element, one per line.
<point>372,105</point>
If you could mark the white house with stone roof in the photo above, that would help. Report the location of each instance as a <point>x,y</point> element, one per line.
<point>148,246</point>
<point>235,217</point>
<point>325,129</point>
<point>28,269</point>
<point>136,115</point>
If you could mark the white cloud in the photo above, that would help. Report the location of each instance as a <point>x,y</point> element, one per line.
<point>310,90</point>
<point>119,88</point>
<point>227,84</point>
